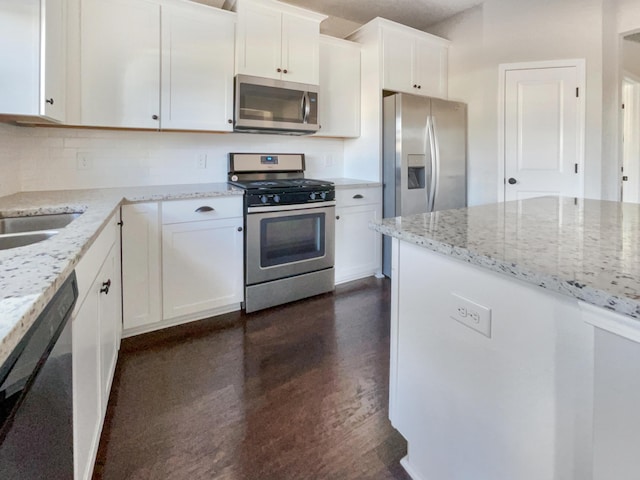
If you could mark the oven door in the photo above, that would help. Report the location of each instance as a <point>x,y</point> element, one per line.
<point>284,241</point>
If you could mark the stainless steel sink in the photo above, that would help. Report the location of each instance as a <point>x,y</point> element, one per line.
<point>22,239</point>
<point>9,225</point>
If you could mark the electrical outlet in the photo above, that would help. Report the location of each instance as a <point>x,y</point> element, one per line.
<point>202,160</point>
<point>471,314</point>
<point>83,161</point>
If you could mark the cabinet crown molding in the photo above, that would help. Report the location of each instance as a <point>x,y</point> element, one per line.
<point>238,5</point>
<point>380,24</point>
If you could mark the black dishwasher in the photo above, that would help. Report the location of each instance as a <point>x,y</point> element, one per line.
<point>36,404</point>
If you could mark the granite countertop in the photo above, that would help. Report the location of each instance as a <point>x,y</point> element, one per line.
<point>341,183</point>
<point>586,249</point>
<point>30,275</point>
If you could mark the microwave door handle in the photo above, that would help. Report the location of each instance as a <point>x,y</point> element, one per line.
<point>306,107</point>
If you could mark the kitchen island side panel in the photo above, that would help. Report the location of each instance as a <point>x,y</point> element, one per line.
<point>517,404</point>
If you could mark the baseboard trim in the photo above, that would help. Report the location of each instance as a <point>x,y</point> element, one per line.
<point>172,322</point>
<point>409,469</point>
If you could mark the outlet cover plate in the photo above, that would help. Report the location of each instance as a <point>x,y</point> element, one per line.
<point>471,314</point>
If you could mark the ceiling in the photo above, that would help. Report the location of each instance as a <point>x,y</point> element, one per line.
<point>347,15</point>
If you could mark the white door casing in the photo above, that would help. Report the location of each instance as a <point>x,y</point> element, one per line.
<point>631,140</point>
<point>541,129</point>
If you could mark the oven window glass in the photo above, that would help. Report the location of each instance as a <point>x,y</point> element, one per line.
<point>291,239</point>
<point>273,104</point>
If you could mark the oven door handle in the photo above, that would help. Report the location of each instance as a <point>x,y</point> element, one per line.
<point>285,208</point>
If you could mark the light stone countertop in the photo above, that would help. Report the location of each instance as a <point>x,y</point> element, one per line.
<point>341,183</point>
<point>30,275</point>
<point>586,249</point>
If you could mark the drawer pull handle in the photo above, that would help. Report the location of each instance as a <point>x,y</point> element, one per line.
<point>357,195</point>
<point>206,208</point>
<point>105,287</point>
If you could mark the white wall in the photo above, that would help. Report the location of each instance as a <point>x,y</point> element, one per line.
<point>9,163</point>
<point>48,157</point>
<point>510,31</point>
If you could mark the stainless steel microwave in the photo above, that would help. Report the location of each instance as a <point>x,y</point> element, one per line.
<point>264,105</point>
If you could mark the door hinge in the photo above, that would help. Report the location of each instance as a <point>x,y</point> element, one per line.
<point>575,167</point>
<point>577,92</point>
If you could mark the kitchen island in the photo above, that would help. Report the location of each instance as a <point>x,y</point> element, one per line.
<point>514,340</point>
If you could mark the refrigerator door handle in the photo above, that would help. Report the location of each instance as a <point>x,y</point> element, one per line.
<point>435,163</point>
<point>428,147</point>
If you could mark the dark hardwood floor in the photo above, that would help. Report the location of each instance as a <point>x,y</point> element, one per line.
<point>291,393</point>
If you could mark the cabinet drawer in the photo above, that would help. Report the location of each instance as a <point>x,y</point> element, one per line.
<point>200,209</point>
<point>358,196</point>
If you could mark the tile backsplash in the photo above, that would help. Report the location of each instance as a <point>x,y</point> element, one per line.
<point>37,158</point>
<point>9,162</point>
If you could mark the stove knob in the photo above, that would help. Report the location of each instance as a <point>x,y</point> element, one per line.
<point>312,196</point>
<point>276,198</point>
<point>323,195</point>
<point>263,199</point>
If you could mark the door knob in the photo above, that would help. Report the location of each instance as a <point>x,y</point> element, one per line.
<point>512,181</point>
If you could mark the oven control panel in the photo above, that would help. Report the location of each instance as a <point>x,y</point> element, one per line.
<point>255,199</point>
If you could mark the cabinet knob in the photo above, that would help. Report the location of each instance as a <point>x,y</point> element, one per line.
<point>419,86</point>
<point>229,121</point>
<point>239,229</point>
<point>49,101</point>
<point>279,70</point>
<point>337,217</point>
<point>205,208</point>
<point>155,117</point>
<point>415,86</point>
<point>285,71</point>
<point>105,287</point>
<point>512,181</point>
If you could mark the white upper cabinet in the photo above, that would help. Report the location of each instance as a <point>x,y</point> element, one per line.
<point>120,63</point>
<point>279,41</point>
<point>413,61</point>
<point>166,65</point>
<point>197,68</point>
<point>32,59</point>
<point>339,98</point>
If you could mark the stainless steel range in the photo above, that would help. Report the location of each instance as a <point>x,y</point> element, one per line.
<point>289,229</point>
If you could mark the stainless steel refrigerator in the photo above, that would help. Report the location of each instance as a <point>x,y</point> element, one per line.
<point>424,158</point>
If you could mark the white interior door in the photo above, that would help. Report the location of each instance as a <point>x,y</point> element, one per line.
<point>542,132</point>
<point>631,141</point>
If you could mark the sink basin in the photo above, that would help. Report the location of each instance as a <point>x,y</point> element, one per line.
<point>22,239</point>
<point>35,223</point>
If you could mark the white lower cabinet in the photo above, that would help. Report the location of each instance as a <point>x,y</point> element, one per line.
<point>202,257</point>
<point>141,267</point>
<point>96,338</point>
<point>358,248</point>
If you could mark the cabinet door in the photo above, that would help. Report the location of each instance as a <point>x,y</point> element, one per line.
<point>202,266</point>
<point>53,61</point>
<point>357,246</point>
<point>142,292</point>
<point>32,58</point>
<point>259,42</point>
<point>300,49</point>
<point>87,401</point>
<point>339,108</point>
<point>431,68</point>
<point>397,61</point>
<point>197,68</point>
<point>120,63</point>
<point>109,308</point>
